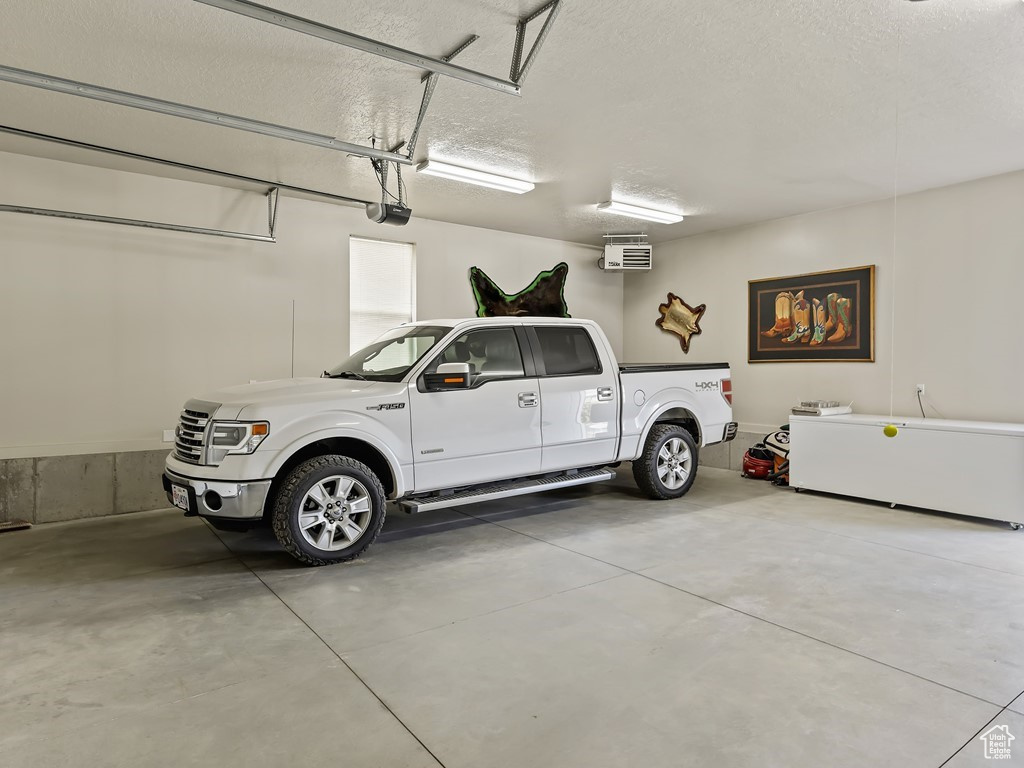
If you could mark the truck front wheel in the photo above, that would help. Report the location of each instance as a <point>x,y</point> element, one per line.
<point>668,465</point>
<point>329,510</point>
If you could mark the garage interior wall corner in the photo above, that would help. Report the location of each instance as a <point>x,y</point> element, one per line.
<point>107,330</point>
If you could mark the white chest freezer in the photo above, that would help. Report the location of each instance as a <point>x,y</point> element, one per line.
<point>966,467</point>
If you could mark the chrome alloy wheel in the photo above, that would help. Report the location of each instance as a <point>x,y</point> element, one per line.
<point>674,462</point>
<point>334,513</point>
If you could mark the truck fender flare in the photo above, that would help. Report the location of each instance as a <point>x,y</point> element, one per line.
<point>382,448</point>
<point>672,400</point>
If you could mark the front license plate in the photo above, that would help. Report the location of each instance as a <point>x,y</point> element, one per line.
<point>180,496</point>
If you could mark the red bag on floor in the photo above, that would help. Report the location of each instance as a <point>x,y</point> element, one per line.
<point>757,462</point>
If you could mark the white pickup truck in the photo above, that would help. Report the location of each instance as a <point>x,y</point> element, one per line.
<point>438,414</point>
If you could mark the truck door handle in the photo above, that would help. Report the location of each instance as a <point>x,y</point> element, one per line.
<point>527,399</point>
<point>605,393</point>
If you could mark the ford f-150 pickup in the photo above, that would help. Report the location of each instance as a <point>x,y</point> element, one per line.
<point>439,414</point>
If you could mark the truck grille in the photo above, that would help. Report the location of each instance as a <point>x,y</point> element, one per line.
<point>188,439</point>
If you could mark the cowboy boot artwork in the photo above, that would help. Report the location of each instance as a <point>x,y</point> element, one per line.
<point>783,316</point>
<point>844,326</point>
<point>801,320</point>
<point>830,324</point>
<point>818,313</point>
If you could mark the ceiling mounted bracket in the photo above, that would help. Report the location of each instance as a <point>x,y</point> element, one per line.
<point>463,46</point>
<point>351,40</point>
<point>431,79</point>
<point>639,238</point>
<point>434,66</point>
<point>272,194</point>
<point>123,98</point>
<point>519,67</point>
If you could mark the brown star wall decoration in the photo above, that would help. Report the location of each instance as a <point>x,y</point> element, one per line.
<point>680,318</point>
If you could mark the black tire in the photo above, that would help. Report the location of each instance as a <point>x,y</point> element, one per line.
<point>646,469</point>
<point>294,493</point>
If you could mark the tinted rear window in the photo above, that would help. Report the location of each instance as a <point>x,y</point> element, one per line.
<point>567,351</point>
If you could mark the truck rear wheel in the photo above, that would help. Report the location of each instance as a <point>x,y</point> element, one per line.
<point>329,510</point>
<point>668,465</point>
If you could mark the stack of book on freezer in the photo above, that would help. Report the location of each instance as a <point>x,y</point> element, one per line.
<point>821,408</point>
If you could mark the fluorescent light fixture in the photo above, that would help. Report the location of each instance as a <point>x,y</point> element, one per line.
<point>473,176</point>
<point>636,212</point>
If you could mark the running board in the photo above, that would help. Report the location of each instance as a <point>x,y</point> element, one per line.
<point>505,490</point>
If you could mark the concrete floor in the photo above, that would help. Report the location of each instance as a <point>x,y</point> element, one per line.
<point>743,626</point>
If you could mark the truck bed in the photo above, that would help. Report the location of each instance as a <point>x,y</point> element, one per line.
<point>660,367</point>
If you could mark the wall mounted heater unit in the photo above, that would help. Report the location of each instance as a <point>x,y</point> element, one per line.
<point>626,257</point>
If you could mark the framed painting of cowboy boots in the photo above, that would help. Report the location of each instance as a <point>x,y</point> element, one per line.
<point>814,318</point>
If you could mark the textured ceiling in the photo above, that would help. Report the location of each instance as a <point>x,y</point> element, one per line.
<point>728,110</point>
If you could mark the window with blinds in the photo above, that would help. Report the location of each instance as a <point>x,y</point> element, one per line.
<point>381,288</point>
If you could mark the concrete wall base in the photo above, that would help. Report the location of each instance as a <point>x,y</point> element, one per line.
<point>54,488</point>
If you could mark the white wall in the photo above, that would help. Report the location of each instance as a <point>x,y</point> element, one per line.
<point>105,330</point>
<point>950,266</point>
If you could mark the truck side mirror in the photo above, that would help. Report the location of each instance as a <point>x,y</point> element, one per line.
<point>448,376</point>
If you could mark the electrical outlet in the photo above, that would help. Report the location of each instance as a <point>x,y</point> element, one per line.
<point>168,435</point>
<point>920,389</point>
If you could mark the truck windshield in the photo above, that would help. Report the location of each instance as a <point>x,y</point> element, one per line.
<point>391,356</point>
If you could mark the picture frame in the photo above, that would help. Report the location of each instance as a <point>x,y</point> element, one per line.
<point>819,317</point>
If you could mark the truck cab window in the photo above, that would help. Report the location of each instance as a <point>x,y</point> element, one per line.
<point>567,351</point>
<point>492,353</point>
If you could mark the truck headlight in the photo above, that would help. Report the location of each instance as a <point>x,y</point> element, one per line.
<point>235,437</point>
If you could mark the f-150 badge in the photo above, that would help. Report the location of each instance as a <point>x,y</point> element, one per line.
<point>386,407</point>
